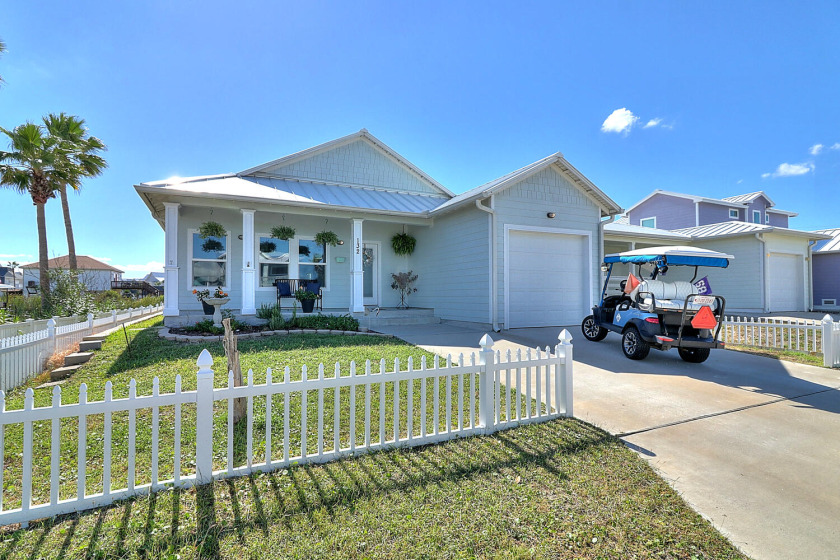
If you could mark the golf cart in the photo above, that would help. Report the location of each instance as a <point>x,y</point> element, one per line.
<point>659,314</point>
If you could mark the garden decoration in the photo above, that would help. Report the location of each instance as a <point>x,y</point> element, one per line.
<point>218,299</point>
<point>403,244</point>
<point>403,283</point>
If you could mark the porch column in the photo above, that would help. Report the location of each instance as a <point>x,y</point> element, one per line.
<point>357,298</point>
<point>249,286</point>
<point>170,268</point>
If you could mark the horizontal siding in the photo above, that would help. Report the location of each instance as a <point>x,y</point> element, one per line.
<point>826,278</point>
<point>527,203</point>
<point>715,214</point>
<point>740,283</point>
<point>671,212</point>
<point>453,262</point>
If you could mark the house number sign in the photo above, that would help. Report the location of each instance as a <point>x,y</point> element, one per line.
<point>358,246</point>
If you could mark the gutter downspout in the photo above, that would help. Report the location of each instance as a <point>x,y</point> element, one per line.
<point>494,298</point>
<point>602,254</point>
<point>764,298</point>
<point>811,243</point>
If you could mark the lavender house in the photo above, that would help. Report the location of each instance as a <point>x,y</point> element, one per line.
<point>772,269</point>
<point>826,259</point>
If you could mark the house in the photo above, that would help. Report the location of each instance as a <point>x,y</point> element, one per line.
<point>522,250</point>
<point>826,259</point>
<point>671,210</point>
<point>10,276</point>
<point>96,275</point>
<point>154,278</point>
<point>771,270</point>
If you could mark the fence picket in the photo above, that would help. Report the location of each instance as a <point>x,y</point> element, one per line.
<point>81,450</point>
<point>353,405</point>
<point>396,401</point>
<point>155,432</point>
<point>132,432</point>
<point>177,438</point>
<point>106,453</point>
<point>230,406</point>
<point>423,432</point>
<point>55,447</point>
<point>367,402</point>
<point>336,416</point>
<point>268,398</point>
<point>2,444</point>
<point>303,430</point>
<point>320,412</point>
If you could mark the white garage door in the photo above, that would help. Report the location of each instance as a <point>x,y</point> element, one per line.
<point>548,279</point>
<point>786,282</point>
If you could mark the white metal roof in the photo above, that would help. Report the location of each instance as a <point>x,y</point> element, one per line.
<point>828,245</point>
<point>297,193</point>
<point>628,229</point>
<point>725,229</point>
<point>749,197</point>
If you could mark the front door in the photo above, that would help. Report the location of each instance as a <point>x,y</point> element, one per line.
<point>370,270</point>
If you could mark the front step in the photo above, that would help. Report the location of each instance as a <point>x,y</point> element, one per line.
<point>77,358</point>
<point>87,345</point>
<point>63,372</point>
<point>95,337</point>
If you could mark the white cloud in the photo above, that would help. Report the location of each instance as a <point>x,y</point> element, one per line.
<point>620,120</point>
<point>102,259</point>
<point>10,256</point>
<point>815,149</point>
<point>835,146</point>
<point>151,266</point>
<point>790,170</point>
<point>739,181</point>
<point>653,122</point>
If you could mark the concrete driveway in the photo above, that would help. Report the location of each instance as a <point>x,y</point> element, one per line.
<point>751,443</point>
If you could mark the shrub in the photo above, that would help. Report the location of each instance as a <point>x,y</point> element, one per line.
<point>69,295</point>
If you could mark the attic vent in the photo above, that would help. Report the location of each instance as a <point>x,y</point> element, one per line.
<point>829,302</point>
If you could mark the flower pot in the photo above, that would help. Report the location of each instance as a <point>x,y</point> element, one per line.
<point>208,309</point>
<point>307,305</point>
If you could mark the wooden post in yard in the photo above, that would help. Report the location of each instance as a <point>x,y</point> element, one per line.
<point>232,355</point>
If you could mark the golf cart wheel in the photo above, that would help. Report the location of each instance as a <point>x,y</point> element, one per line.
<point>591,330</point>
<point>694,355</point>
<point>633,345</point>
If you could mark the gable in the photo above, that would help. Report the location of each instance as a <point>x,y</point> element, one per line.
<point>358,162</point>
<point>549,186</point>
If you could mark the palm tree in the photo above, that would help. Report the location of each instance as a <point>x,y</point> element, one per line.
<point>81,150</point>
<point>34,166</point>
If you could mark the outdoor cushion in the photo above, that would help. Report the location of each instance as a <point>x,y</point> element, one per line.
<point>313,287</point>
<point>284,289</point>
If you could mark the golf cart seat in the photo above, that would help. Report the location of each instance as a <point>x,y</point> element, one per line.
<point>669,295</point>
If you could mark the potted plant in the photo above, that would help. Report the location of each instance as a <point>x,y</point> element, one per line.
<point>306,299</point>
<point>403,283</point>
<point>200,295</point>
<point>283,232</point>
<point>403,244</point>
<point>325,238</point>
<point>211,229</point>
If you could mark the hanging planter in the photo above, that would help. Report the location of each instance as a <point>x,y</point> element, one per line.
<point>403,244</point>
<point>325,238</point>
<point>283,232</point>
<point>211,229</point>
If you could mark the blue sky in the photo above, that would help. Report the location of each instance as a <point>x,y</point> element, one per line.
<point>712,98</point>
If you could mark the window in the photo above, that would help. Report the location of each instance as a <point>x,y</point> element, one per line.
<point>312,261</point>
<point>648,222</point>
<point>756,217</point>
<point>766,218</point>
<point>208,261</point>
<point>273,260</point>
<point>734,214</point>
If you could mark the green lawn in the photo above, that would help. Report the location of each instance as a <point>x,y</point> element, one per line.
<point>557,489</point>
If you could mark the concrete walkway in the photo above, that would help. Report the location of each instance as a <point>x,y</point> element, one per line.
<point>751,443</point>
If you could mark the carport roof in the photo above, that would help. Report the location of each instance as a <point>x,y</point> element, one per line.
<point>831,245</point>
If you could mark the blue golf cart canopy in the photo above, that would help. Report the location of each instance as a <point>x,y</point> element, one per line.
<point>668,256</point>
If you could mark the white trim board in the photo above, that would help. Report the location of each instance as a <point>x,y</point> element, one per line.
<point>538,229</point>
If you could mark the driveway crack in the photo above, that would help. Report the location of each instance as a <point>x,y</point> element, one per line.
<point>723,412</point>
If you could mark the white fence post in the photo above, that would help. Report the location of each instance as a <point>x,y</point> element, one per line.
<point>827,341</point>
<point>565,379</point>
<point>51,334</point>
<point>90,322</point>
<point>487,358</point>
<point>114,316</point>
<point>204,419</point>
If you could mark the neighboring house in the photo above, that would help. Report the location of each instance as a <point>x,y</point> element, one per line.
<point>154,278</point>
<point>96,275</point>
<point>670,210</point>
<point>826,258</point>
<point>771,270</point>
<point>523,250</point>
<point>10,276</point>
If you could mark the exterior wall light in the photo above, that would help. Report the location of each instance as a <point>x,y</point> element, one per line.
<point>551,215</point>
<point>341,242</point>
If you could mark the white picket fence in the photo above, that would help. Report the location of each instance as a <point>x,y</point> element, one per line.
<point>479,395</point>
<point>23,356</point>
<point>806,335</point>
